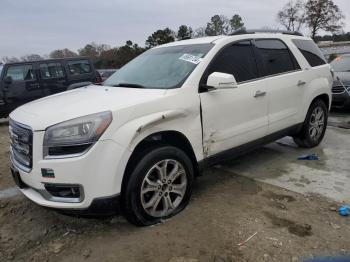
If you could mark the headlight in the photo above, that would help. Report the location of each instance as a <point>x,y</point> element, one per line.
<point>75,136</point>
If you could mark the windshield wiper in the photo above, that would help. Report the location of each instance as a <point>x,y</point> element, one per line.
<point>129,85</point>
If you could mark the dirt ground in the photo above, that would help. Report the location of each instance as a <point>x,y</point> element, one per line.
<point>226,209</point>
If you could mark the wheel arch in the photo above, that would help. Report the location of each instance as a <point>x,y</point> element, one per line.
<point>170,137</point>
<point>324,97</point>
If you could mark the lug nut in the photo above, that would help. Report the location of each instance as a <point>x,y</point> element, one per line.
<point>166,194</point>
<point>163,181</point>
<point>169,182</point>
<point>170,188</point>
<point>159,187</point>
<point>160,193</point>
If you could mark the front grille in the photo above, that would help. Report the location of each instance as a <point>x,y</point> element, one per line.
<point>338,89</point>
<point>21,145</point>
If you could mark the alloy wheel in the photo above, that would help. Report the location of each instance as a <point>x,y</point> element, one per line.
<point>163,188</point>
<point>317,123</point>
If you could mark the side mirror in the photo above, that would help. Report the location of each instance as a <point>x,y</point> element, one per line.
<point>8,80</point>
<point>221,81</point>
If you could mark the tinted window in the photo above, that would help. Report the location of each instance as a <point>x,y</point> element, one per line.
<point>276,57</point>
<point>21,72</point>
<point>238,60</point>
<point>51,70</point>
<point>1,67</point>
<point>79,67</point>
<point>341,64</point>
<point>310,51</point>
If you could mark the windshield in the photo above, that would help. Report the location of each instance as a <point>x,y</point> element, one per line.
<point>341,64</point>
<point>163,68</point>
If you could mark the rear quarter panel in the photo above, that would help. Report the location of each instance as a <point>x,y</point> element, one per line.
<point>319,79</point>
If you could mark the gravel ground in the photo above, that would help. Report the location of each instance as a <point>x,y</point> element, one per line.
<point>225,210</point>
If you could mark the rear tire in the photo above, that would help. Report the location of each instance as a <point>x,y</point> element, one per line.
<point>159,187</point>
<point>314,126</point>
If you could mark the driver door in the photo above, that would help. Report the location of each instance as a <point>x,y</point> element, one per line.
<point>234,116</point>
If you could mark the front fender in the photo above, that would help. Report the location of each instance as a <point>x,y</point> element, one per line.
<point>133,132</point>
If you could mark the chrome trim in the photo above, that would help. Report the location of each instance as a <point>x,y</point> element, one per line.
<point>45,194</point>
<point>21,147</point>
<point>338,93</point>
<point>46,155</point>
<point>269,76</point>
<point>18,165</point>
<point>20,124</point>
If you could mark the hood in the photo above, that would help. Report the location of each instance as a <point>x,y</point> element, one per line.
<point>51,110</point>
<point>344,78</point>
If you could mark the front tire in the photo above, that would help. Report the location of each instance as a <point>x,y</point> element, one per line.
<point>159,186</point>
<point>314,126</point>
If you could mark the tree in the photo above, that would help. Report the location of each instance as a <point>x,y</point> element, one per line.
<point>292,15</point>
<point>218,25</point>
<point>127,52</point>
<point>7,59</point>
<point>323,15</point>
<point>117,57</point>
<point>160,37</point>
<point>184,32</point>
<point>236,22</point>
<point>89,50</point>
<point>199,32</point>
<point>31,57</point>
<point>62,53</point>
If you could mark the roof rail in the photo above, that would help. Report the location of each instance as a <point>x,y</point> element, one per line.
<point>255,31</point>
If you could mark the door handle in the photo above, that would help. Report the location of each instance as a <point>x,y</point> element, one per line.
<point>259,93</point>
<point>34,85</point>
<point>301,83</point>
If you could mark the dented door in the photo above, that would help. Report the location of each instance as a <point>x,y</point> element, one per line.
<point>232,117</point>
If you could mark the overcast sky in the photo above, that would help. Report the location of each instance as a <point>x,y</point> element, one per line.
<point>41,26</point>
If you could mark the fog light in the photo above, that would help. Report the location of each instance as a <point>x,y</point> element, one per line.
<point>63,191</point>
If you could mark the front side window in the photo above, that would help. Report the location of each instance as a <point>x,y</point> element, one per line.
<point>21,72</point>
<point>51,70</point>
<point>160,68</point>
<point>310,51</point>
<point>341,64</point>
<point>1,67</point>
<point>237,60</point>
<point>275,56</point>
<point>79,67</point>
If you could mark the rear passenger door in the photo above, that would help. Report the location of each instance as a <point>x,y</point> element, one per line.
<point>234,116</point>
<point>52,77</point>
<point>286,82</point>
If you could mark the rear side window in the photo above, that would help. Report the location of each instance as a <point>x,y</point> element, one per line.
<point>238,60</point>
<point>310,51</point>
<point>51,70</point>
<point>79,67</point>
<point>21,72</point>
<point>275,56</point>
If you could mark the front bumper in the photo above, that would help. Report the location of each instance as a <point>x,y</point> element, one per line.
<point>341,101</point>
<point>98,173</point>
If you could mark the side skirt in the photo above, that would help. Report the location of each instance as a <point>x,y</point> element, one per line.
<point>245,148</point>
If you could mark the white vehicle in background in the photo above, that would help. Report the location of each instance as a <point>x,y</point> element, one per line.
<point>137,143</point>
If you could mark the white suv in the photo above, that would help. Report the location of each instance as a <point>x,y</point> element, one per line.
<point>136,143</point>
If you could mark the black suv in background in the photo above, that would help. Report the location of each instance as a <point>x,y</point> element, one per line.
<point>26,81</point>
